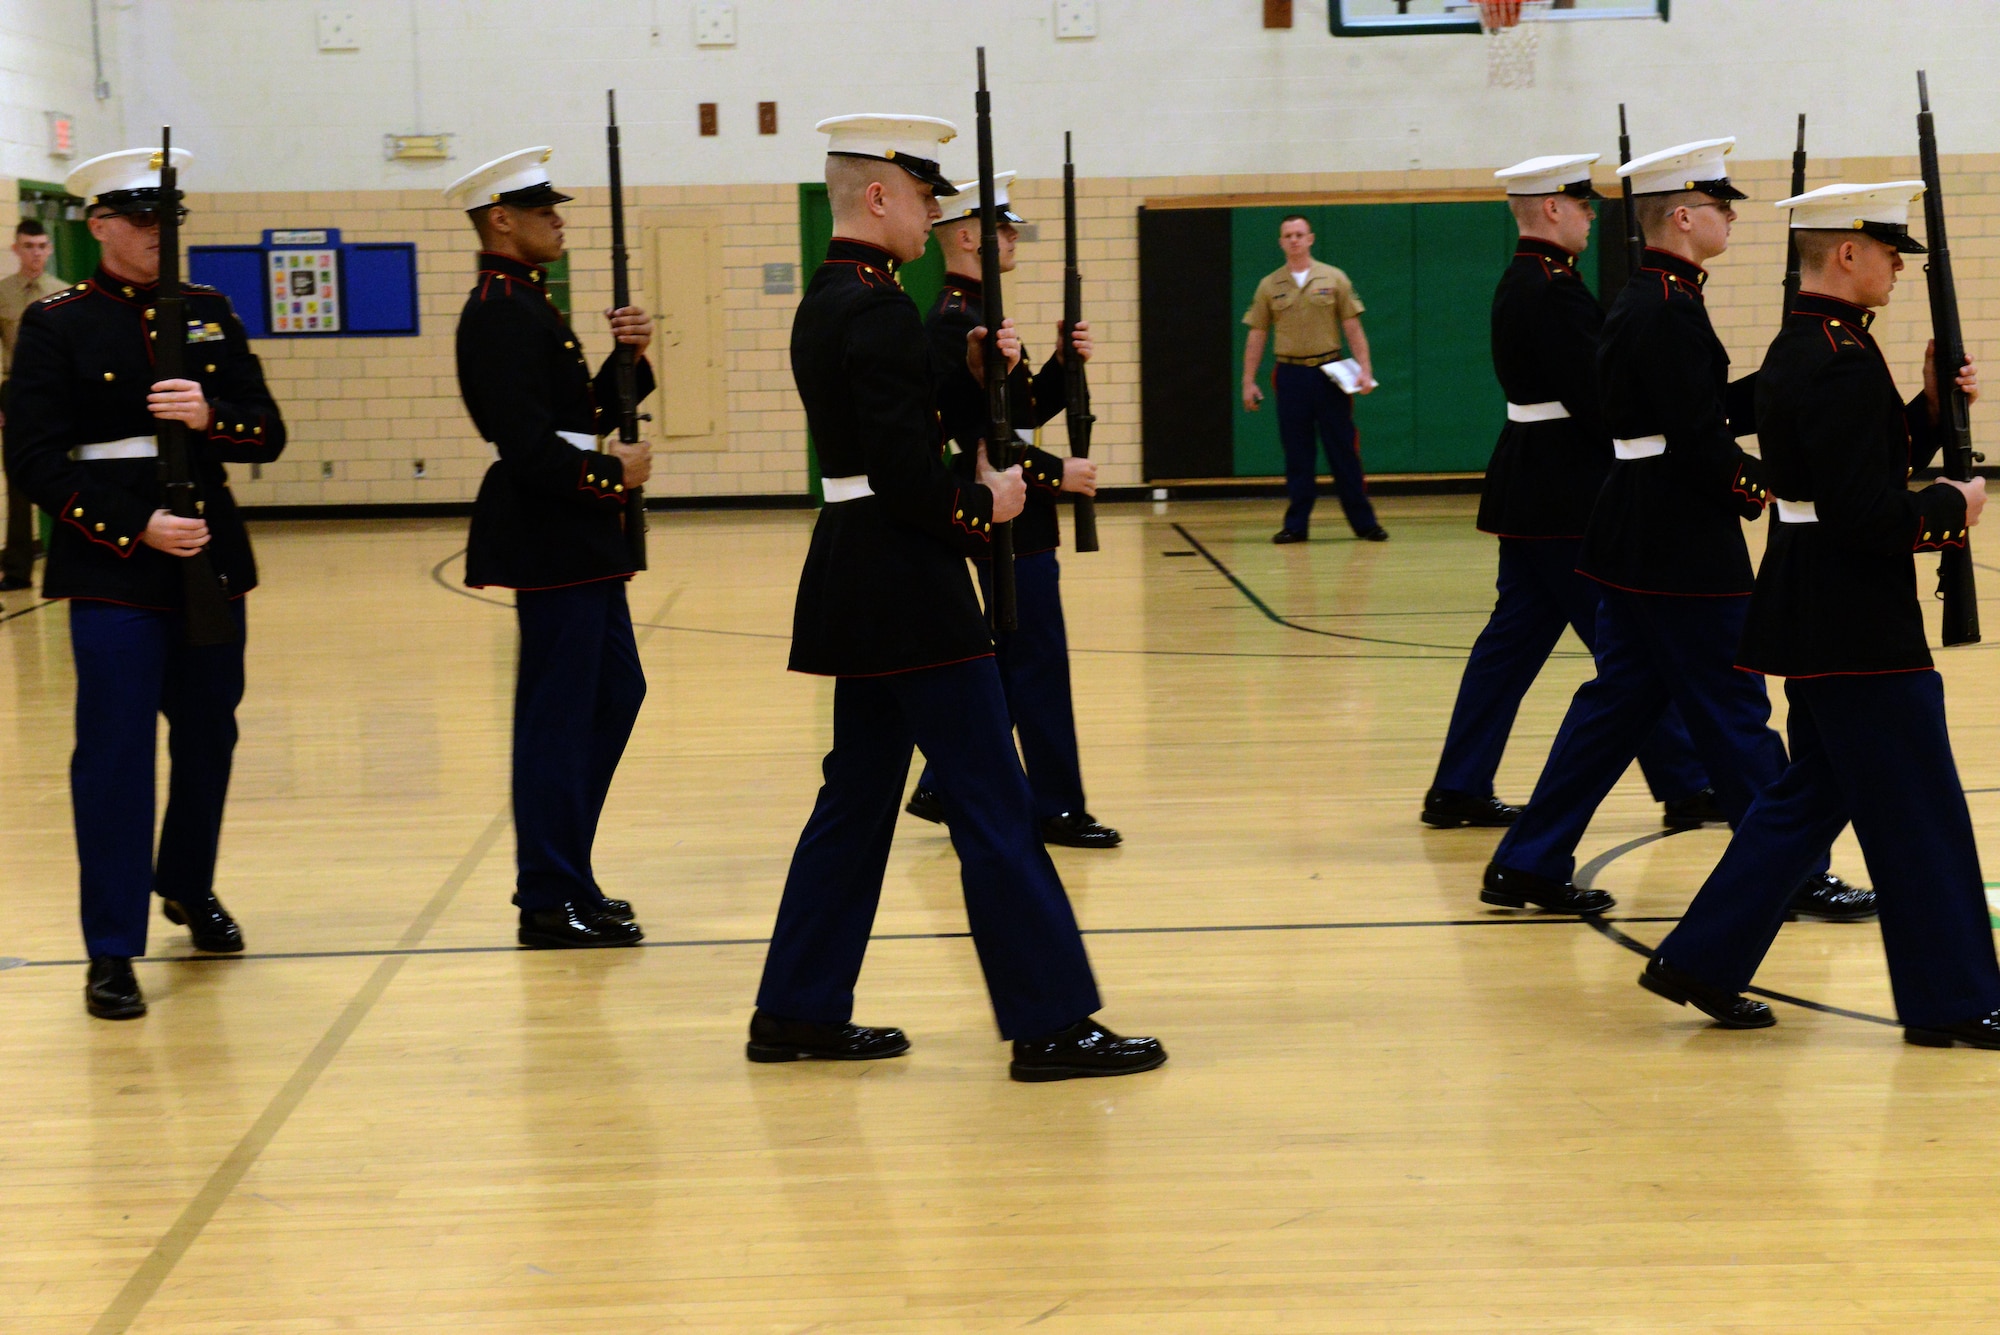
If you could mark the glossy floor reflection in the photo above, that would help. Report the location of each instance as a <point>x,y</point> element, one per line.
<point>1387,1109</point>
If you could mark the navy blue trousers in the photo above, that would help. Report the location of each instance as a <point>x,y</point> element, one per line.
<point>575,701</point>
<point>1307,403</point>
<point>133,665</point>
<point>1034,674</point>
<point>1026,936</point>
<point>1652,651</point>
<point>1873,750</point>
<point>1539,594</point>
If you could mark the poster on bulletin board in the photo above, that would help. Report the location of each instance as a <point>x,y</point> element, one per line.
<point>305,291</point>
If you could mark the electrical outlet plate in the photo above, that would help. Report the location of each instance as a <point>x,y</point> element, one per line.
<point>1076,18</point>
<point>715,23</point>
<point>339,30</point>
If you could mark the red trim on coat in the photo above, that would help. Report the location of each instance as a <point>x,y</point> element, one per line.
<point>892,672</point>
<point>1657,593</point>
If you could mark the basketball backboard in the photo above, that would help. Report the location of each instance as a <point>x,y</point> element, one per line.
<point>1381,18</point>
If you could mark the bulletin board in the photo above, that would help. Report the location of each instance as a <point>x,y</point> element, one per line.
<point>308,283</point>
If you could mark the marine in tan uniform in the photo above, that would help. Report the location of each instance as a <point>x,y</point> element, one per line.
<point>28,284</point>
<point>1308,308</point>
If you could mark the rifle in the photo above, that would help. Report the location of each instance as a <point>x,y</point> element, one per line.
<point>999,418</point>
<point>1635,241</point>
<point>623,356</point>
<point>1955,578</point>
<point>1791,237</point>
<point>1074,380</point>
<point>207,620</point>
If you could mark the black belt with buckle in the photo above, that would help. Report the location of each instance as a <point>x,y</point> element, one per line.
<point>1320,359</point>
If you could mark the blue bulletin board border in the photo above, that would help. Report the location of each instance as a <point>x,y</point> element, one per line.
<point>378,282</point>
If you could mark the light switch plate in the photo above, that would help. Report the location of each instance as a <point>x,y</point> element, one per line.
<point>339,30</point>
<point>1076,18</point>
<point>715,23</point>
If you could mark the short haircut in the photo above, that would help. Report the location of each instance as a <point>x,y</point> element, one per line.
<point>1295,217</point>
<point>30,227</point>
<point>1654,210</point>
<point>1817,245</point>
<point>482,222</point>
<point>1527,210</point>
<point>848,179</point>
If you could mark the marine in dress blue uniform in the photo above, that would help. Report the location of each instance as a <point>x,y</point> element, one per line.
<point>549,524</point>
<point>1665,540</point>
<point>81,441</point>
<point>1835,613</point>
<point>1544,475</point>
<point>1034,658</point>
<point>886,606</point>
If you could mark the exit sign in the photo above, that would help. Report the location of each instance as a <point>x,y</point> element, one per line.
<point>62,134</point>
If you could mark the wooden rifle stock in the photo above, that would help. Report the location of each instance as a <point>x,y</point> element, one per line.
<point>1792,238</point>
<point>1955,577</point>
<point>1074,379</point>
<point>623,356</point>
<point>999,417</point>
<point>1635,239</point>
<point>207,619</point>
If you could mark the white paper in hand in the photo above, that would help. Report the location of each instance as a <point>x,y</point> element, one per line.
<point>1346,373</point>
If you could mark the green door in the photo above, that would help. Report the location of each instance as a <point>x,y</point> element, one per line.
<point>75,256</point>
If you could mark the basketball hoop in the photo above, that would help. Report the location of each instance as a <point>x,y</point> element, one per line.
<point>1513,30</point>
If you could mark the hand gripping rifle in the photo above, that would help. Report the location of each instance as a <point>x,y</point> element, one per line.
<point>1955,579</point>
<point>208,620</point>
<point>1074,380</point>
<point>1635,240</point>
<point>1792,238</point>
<point>999,419</point>
<point>624,355</point>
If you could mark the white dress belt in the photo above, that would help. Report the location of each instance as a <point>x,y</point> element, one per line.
<point>583,440</point>
<point>1796,512</point>
<point>132,447</point>
<point>1553,411</point>
<point>838,489</point>
<point>1645,447</point>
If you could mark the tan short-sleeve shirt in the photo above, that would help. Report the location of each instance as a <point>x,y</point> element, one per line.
<point>1306,320</point>
<point>16,295</point>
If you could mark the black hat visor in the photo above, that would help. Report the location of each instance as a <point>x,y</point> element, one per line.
<point>924,169</point>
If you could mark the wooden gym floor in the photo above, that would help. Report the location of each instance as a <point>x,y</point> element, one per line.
<point>1387,1109</point>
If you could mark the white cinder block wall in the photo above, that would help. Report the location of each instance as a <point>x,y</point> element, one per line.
<point>1171,97</point>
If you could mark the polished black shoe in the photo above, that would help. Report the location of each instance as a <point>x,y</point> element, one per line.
<point>1518,889</point>
<point>621,909</point>
<point>1376,534</point>
<point>924,805</point>
<point>111,989</point>
<point>1285,536</point>
<point>209,924</point>
<point>12,585</point>
<point>776,1040</point>
<point>1731,1010</point>
<point>1692,812</point>
<point>1830,899</point>
<point>1084,1049</point>
<point>1981,1031</point>
<point>1446,810</point>
<point>1079,829</point>
<point>575,926</point>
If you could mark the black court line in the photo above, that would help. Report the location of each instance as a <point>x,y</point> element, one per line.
<point>1586,876</point>
<point>1270,614</point>
<point>33,607</point>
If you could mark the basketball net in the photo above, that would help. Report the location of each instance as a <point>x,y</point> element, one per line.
<point>1513,30</point>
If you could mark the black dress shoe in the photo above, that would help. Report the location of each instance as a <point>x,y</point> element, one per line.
<point>1981,1031</point>
<point>209,924</point>
<point>776,1040</point>
<point>1376,534</point>
<point>111,989</point>
<point>575,926</point>
<point>1730,1010</point>
<point>1284,536</point>
<point>924,805</point>
<point>13,585</point>
<point>1692,812</point>
<point>1078,829</point>
<point>621,909</point>
<point>1830,899</point>
<point>1446,810</point>
<point>1517,889</point>
<point>1086,1048</point>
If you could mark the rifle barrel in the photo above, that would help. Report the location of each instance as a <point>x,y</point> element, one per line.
<point>1075,381</point>
<point>623,357</point>
<point>1000,432</point>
